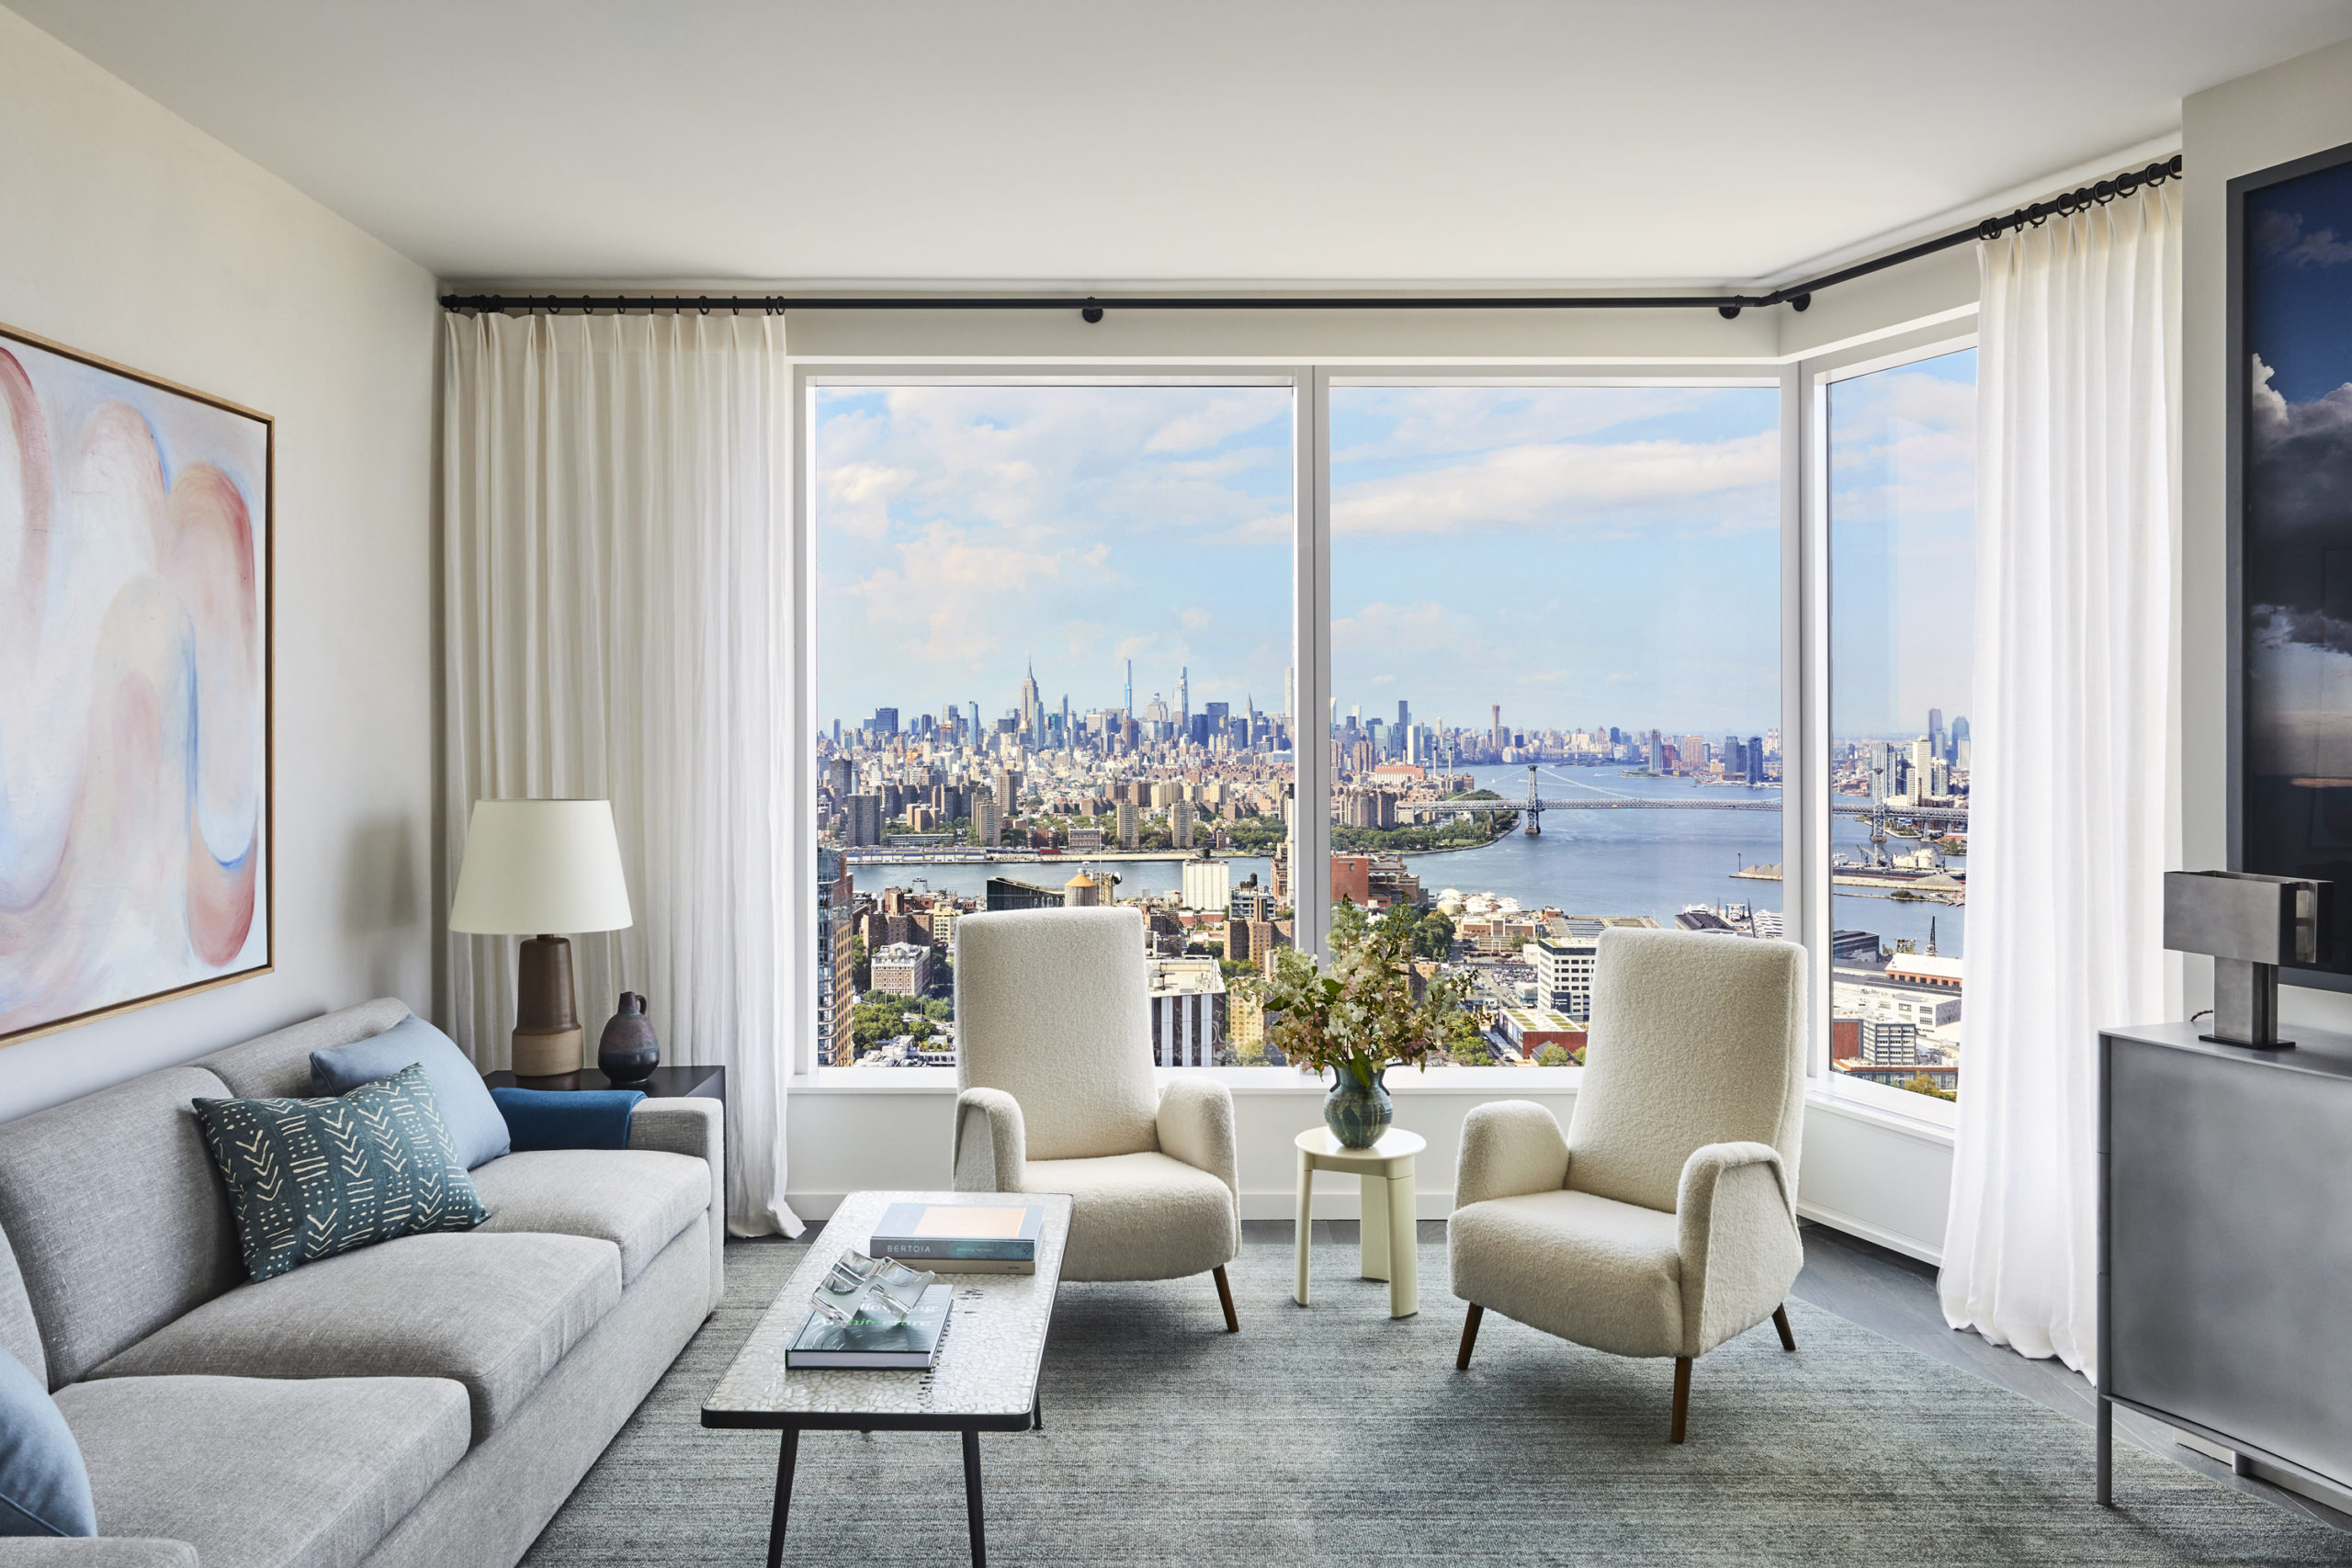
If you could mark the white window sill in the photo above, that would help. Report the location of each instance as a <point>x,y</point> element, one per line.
<point>1485,1082</point>
<point>1822,1102</point>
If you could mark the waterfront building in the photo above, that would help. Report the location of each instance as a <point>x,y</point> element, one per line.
<point>901,968</point>
<point>1180,824</point>
<point>1128,823</point>
<point>1207,884</point>
<point>986,825</point>
<point>1005,893</point>
<point>1085,840</point>
<point>862,820</point>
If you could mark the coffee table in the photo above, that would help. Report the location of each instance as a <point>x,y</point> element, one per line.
<point>986,1380</point>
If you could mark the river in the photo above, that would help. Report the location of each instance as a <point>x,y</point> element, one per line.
<point>1586,863</point>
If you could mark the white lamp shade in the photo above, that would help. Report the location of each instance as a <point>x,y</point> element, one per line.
<point>540,865</point>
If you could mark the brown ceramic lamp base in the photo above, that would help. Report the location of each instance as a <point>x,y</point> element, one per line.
<point>548,1036</point>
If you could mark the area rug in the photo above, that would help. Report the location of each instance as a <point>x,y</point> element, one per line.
<point>1334,1435</point>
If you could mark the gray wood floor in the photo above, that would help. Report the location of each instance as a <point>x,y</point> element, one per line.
<point>1891,1294</point>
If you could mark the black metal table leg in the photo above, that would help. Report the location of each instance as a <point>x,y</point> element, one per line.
<point>1037,1412</point>
<point>787,1455</point>
<point>972,1497</point>
<point>2106,1453</point>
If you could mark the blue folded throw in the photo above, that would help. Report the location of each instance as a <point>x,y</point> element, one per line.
<point>567,1119</point>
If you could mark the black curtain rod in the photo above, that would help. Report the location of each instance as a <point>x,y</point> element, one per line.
<point>1796,296</point>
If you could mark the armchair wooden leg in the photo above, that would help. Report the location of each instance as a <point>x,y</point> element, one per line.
<point>1681,1395</point>
<point>1469,1337</point>
<point>1225,1298</point>
<point>1781,1322</point>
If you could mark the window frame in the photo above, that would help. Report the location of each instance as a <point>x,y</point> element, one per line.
<point>1802,381</point>
<point>1812,378</point>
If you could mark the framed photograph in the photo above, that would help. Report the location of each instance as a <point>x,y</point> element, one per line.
<point>135,681</point>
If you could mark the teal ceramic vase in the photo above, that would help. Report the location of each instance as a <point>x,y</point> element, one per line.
<point>1358,1115</point>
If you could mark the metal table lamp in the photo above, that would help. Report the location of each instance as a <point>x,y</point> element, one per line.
<point>2251,924</point>
<point>533,867</point>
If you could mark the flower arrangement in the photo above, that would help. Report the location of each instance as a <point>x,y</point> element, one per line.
<point>1361,1017</point>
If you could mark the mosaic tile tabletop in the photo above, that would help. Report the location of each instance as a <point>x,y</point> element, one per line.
<point>988,1356</point>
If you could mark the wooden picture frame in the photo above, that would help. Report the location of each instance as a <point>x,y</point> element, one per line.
<point>138,541</point>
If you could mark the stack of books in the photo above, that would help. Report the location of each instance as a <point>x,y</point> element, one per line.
<point>961,1238</point>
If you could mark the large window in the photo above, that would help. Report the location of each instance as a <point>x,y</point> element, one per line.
<point>1053,666</point>
<point>1901,611</point>
<point>1555,677</point>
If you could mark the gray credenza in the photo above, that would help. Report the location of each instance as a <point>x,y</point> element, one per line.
<point>2225,1244</point>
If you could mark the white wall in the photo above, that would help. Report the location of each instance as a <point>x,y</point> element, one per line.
<point>132,236</point>
<point>2301,106</point>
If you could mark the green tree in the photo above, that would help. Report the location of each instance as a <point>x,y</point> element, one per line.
<point>861,967</point>
<point>1553,1057</point>
<point>1349,925</point>
<point>1925,1085</point>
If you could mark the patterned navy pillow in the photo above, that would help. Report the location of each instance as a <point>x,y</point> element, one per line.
<point>313,1178</point>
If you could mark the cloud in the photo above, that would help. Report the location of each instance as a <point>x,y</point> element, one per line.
<point>2279,236</point>
<point>1903,444</point>
<point>1220,421</point>
<point>856,497</point>
<point>1562,484</point>
<point>2299,525</point>
<point>1420,422</point>
<point>1195,618</point>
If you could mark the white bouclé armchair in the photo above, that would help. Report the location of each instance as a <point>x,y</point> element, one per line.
<point>1053,1057</point>
<point>1664,1222</point>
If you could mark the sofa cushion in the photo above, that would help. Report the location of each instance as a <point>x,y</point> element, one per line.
<point>636,1198</point>
<point>314,1178</point>
<point>277,1065</point>
<point>475,1125</point>
<point>118,1221</point>
<point>1140,1216</point>
<point>266,1472</point>
<point>1587,1268</point>
<point>44,1490</point>
<point>494,1313</point>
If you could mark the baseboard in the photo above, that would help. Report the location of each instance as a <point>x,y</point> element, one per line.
<point>1910,1246</point>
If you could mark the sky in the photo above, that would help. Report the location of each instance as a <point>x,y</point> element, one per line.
<point>1583,556</point>
<point>1902,546</point>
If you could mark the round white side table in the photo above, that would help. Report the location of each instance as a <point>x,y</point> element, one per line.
<point>1385,1173</point>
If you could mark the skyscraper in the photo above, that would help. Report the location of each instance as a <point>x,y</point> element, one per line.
<point>1290,695</point>
<point>1404,714</point>
<point>1032,713</point>
<point>1497,735</point>
<point>1755,759</point>
<point>1936,732</point>
<point>1129,707</point>
<point>1183,700</point>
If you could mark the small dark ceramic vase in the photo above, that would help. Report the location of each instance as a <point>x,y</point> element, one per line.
<point>1357,1115</point>
<point>628,1051</point>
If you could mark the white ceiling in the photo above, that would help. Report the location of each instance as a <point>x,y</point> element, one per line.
<point>1450,141</point>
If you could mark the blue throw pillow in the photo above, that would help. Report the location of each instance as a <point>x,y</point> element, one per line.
<point>567,1118</point>
<point>475,1125</point>
<point>309,1179</point>
<point>44,1487</point>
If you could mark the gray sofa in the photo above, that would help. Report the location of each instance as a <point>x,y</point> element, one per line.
<point>426,1402</point>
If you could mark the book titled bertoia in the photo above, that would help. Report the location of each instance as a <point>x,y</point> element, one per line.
<point>966,1237</point>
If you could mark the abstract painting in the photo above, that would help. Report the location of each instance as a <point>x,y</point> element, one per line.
<point>134,689</point>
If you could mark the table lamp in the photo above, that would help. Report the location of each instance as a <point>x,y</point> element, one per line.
<point>533,867</point>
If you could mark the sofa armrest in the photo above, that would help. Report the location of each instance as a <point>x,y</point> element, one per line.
<point>1510,1148</point>
<point>697,1127</point>
<point>991,1147</point>
<point>1737,1226</point>
<point>94,1552</point>
<point>1197,1126</point>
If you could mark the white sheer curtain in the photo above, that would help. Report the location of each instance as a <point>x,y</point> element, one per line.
<point>2066,849</point>
<point>615,496</point>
